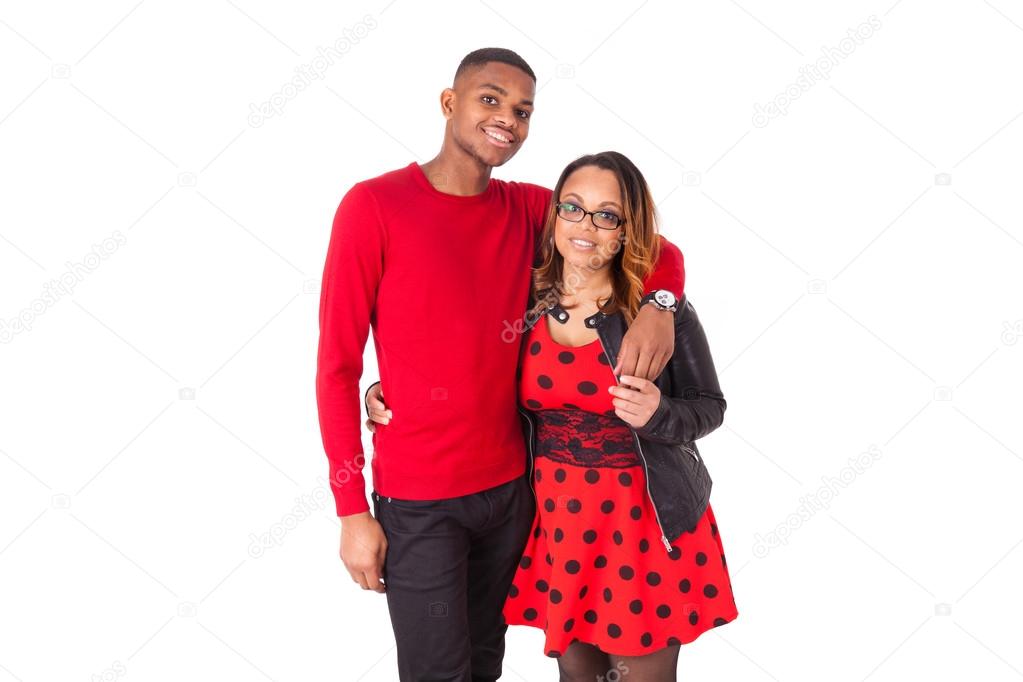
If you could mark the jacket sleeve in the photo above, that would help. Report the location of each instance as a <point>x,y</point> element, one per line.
<point>351,275</point>
<point>696,405</point>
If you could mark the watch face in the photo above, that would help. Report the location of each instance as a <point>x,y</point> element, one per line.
<point>665,298</point>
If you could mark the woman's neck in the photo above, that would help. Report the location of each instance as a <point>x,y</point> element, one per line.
<point>587,287</point>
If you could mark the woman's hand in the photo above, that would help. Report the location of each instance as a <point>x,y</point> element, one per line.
<point>635,400</point>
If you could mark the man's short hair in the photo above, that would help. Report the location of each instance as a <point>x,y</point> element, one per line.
<point>485,55</point>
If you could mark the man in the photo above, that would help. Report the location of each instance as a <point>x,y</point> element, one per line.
<point>436,258</point>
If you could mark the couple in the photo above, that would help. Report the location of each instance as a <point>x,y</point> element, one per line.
<point>545,382</point>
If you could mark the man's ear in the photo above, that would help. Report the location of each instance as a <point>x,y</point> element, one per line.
<point>447,102</point>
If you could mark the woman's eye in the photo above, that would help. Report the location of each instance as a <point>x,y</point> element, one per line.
<point>608,216</point>
<point>569,208</point>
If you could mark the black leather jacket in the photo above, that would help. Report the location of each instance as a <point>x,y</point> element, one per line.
<point>691,406</point>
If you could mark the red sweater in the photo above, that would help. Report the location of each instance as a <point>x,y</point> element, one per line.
<point>442,280</point>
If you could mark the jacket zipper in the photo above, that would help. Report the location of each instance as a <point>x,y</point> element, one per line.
<point>529,446</point>
<point>642,457</point>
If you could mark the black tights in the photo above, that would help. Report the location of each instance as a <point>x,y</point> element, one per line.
<point>586,663</point>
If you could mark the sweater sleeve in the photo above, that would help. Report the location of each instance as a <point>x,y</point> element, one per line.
<point>669,272</point>
<point>351,274</point>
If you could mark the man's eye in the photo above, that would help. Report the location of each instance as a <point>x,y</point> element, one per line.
<point>489,99</point>
<point>523,114</point>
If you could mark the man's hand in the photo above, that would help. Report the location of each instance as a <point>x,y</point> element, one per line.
<point>648,344</point>
<point>378,411</point>
<point>363,548</point>
<point>635,400</point>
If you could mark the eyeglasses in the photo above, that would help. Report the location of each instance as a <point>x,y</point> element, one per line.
<point>604,220</point>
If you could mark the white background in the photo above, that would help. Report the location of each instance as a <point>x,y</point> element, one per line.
<point>855,262</point>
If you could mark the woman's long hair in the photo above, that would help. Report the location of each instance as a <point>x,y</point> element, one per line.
<point>636,249</point>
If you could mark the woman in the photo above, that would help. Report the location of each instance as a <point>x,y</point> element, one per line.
<point>624,563</point>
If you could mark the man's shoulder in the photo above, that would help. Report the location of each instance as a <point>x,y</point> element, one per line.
<point>526,188</point>
<point>399,178</point>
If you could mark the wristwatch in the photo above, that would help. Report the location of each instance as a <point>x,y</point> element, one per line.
<point>662,300</point>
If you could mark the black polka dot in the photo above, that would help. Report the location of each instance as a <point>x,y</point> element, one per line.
<point>544,381</point>
<point>617,537</point>
<point>569,624</point>
<point>534,348</point>
<point>713,529</point>
<point>559,535</point>
<point>536,532</point>
<point>582,592</point>
<point>626,572</point>
<point>647,639</point>
<point>675,554</point>
<point>607,506</point>
<point>535,404</point>
<point>572,566</point>
<point>537,475</point>
<point>548,504</point>
<point>592,475</point>
<point>529,614</point>
<point>525,561</point>
<point>684,585</point>
<point>710,591</point>
<point>636,512</point>
<point>674,641</point>
<point>548,559</point>
<point>607,594</point>
<point>644,545</point>
<point>663,611</point>
<point>694,617</point>
<point>614,631</point>
<point>559,475</point>
<point>555,597</point>
<point>571,406</point>
<point>587,387</point>
<point>574,506</point>
<point>589,537</point>
<point>513,591</point>
<point>542,585</point>
<point>600,561</point>
<point>602,358</point>
<point>566,357</point>
<point>701,558</point>
<point>719,621</point>
<point>590,616</point>
<point>636,606</point>
<point>625,478</point>
<point>653,578</point>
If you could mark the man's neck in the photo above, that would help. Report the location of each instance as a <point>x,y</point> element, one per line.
<point>455,172</point>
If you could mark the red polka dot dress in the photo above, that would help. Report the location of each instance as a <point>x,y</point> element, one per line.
<point>594,568</point>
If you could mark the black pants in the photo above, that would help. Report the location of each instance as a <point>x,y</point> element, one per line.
<point>448,569</point>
